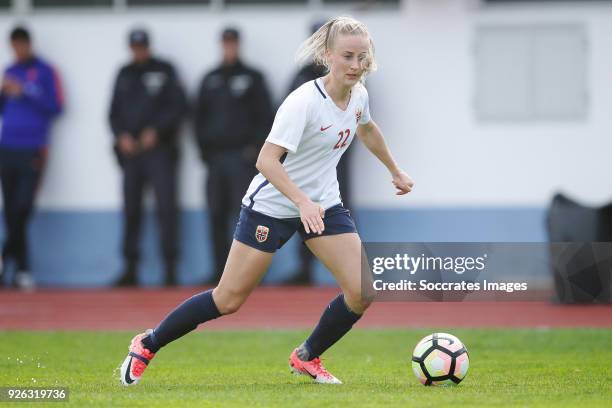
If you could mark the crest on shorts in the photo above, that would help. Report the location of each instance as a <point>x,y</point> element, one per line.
<point>357,115</point>
<point>261,234</point>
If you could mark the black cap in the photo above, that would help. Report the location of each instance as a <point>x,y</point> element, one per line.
<point>20,33</point>
<point>139,36</point>
<point>230,34</point>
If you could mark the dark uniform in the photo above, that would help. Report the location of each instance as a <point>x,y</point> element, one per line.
<point>305,74</point>
<point>149,95</point>
<point>233,118</point>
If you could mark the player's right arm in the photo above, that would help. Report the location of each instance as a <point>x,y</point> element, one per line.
<point>289,125</point>
<point>269,165</point>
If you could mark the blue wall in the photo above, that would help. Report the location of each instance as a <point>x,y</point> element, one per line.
<point>82,249</point>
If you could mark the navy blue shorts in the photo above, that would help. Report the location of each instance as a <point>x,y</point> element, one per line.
<point>268,234</point>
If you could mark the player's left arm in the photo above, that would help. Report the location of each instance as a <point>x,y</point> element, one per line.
<point>372,137</point>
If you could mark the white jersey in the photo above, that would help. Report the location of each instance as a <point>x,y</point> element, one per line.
<point>316,132</point>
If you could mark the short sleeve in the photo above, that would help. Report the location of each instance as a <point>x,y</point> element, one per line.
<point>365,113</point>
<point>290,121</point>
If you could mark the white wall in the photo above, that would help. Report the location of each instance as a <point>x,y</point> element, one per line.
<point>422,97</point>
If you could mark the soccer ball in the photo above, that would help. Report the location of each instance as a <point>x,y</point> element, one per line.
<point>440,359</point>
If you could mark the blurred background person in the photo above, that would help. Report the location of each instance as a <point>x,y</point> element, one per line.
<point>233,117</point>
<point>309,72</point>
<point>31,97</point>
<point>147,108</point>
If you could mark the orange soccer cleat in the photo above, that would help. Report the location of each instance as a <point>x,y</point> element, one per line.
<point>312,368</point>
<point>136,361</point>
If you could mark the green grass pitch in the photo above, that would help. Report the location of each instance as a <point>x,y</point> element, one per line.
<point>527,368</point>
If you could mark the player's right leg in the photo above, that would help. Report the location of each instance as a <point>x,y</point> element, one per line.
<point>243,270</point>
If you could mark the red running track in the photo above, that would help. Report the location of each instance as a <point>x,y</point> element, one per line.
<point>273,308</point>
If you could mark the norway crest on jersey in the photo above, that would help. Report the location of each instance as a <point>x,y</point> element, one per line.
<point>261,234</point>
<point>357,115</point>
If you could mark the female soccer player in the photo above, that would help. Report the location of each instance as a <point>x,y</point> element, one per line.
<point>297,190</point>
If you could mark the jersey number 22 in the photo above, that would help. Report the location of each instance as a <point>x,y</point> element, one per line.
<point>342,138</point>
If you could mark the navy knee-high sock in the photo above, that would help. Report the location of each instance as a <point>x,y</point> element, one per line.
<point>336,321</point>
<point>197,309</point>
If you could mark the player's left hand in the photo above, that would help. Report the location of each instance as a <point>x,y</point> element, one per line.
<point>402,182</point>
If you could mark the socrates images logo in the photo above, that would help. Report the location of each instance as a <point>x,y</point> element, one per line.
<point>261,234</point>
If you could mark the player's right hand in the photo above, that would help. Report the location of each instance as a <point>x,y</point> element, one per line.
<point>312,215</point>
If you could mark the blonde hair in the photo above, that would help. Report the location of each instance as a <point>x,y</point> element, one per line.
<point>315,47</point>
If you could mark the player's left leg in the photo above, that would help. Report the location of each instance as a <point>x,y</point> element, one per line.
<point>342,255</point>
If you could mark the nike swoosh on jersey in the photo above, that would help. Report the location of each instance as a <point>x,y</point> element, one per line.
<point>323,129</point>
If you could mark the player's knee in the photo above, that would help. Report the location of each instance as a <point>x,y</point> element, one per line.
<point>367,297</point>
<point>368,294</point>
<point>227,302</point>
<point>228,306</point>
<point>358,301</point>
